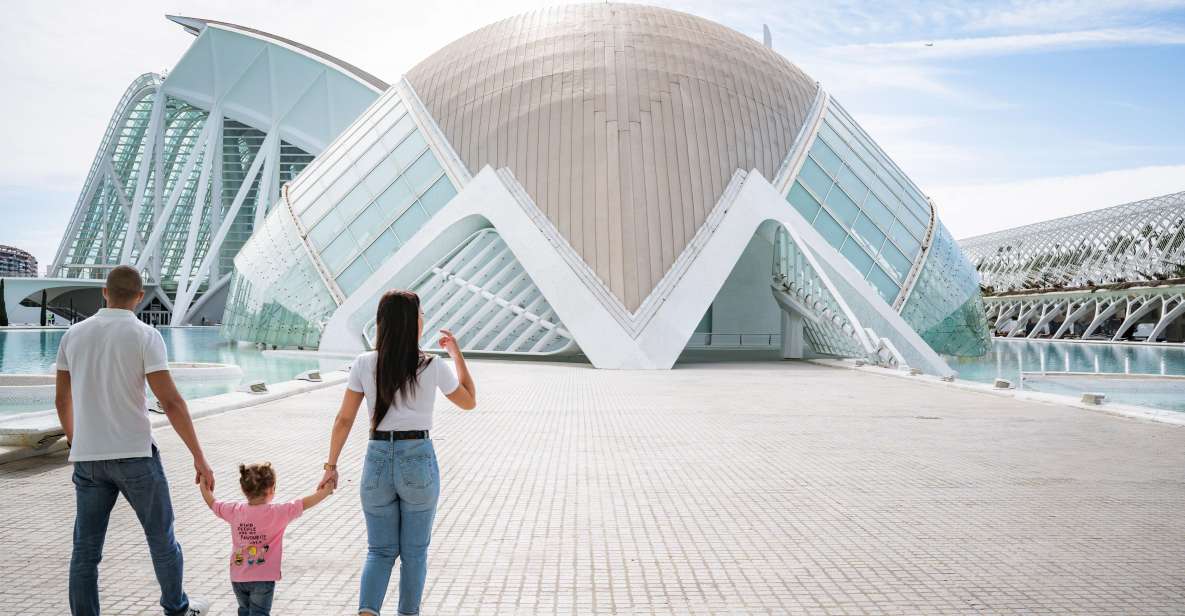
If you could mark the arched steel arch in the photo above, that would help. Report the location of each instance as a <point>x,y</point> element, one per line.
<point>191,162</point>
<point>1142,240</point>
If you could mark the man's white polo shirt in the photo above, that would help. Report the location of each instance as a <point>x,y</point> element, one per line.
<point>107,357</point>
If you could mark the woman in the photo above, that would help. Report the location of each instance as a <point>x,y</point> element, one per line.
<point>400,478</point>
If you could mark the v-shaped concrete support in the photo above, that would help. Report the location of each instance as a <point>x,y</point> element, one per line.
<point>655,335</point>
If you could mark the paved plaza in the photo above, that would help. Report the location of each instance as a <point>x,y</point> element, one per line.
<point>737,488</point>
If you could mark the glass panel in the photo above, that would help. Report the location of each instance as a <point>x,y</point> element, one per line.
<point>898,264</point>
<point>404,126</point>
<point>836,143</point>
<point>382,248</point>
<point>842,206</point>
<point>339,252</point>
<point>397,197</point>
<point>326,230</point>
<point>353,203</point>
<point>437,196</point>
<point>856,256</point>
<point>832,231</point>
<point>852,185</point>
<point>354,276</point>
<point>883,284</point>
<point>904,240</point>
<point>826,158</point>
<point>368,225</point>
<point>878,212</point>
<point>382,175</point>
<point>813,176</point>
<point>423,172</point>
<point>803,202</point>
<point>410,149</point>
<point>916,227</point>
<point>870,237</point>
<point>409,222</point>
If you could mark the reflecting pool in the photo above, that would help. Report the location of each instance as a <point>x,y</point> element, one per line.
<point>34,352</point>
<point>1009,357</point>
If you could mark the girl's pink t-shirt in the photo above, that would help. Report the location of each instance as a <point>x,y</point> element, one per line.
<point>257,536</point>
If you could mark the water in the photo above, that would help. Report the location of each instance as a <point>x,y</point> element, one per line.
<point>34,352</point>
<point>1008,357</point>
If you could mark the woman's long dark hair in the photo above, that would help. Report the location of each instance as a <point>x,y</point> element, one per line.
<point>398,346</point>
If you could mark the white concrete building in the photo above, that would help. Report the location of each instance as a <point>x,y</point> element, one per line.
<point>618,182</point>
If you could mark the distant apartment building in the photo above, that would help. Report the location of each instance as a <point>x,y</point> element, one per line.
<point>17,263</point>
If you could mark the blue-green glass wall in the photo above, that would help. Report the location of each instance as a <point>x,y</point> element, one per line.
<point>945,306</point>
<point>276,296</point>
<point>376,186</point>
<point>861,203</point>
<point>870,211</point>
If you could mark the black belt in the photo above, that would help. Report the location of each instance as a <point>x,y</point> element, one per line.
<point>397,435</point>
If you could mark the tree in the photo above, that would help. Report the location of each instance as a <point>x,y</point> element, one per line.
<point>3,309</point>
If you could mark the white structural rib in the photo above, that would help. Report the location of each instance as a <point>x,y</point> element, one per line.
<point>488,201</point>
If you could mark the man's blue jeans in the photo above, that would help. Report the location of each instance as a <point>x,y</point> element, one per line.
<point>400,485</point>
<point>142,482</point>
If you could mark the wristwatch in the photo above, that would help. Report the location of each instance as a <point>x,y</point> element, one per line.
<point>329,467</point>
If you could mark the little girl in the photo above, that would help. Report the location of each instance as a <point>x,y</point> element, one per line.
<point>257,534</point>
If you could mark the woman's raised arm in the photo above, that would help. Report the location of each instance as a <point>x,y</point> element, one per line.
<point>465,396</point>
<point>342,424</point>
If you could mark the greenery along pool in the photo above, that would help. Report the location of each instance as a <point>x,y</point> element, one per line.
<point>34,352</point>
<point>1009,357</point>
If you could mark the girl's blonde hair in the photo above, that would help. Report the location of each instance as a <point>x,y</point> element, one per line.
<point>256,479</point>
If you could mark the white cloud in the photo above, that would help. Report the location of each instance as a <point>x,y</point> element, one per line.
<point>975,209</point>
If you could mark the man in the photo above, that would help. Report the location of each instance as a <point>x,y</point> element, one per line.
<point>103,363</point>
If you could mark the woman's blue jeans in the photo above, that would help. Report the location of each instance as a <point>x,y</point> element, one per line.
<point>400,485</point>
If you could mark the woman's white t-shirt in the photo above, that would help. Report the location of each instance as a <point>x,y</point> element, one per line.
<point>407,412</point>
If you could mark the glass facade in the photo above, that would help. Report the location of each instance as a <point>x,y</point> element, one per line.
<point>863,205</point>
<point>276,295</point>
<point>382,189</point>
<point>872,214</point>
<point>945,306</point>
<point>366,195</point>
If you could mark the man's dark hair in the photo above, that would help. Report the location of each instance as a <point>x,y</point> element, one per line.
<point>124,284</point>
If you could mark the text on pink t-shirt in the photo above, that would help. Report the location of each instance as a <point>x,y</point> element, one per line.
<point>257,535</point>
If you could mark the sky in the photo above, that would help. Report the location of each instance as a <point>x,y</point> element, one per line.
<point>1018,111</point>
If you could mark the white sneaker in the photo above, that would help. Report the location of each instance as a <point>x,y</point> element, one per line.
<point>199,607</point>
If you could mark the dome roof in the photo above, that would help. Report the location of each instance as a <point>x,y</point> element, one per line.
<point>624,123</point>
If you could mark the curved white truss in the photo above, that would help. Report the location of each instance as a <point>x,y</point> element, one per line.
<point>1083,314</point>
<point>190,163</point>
<point>1143,240</point>
<point>101,174</point>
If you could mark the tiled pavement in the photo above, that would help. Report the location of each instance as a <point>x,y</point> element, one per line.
<point>712,489</point>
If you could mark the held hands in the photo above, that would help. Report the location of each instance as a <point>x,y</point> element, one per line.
<point>449,343</point>
<point>328,480</point>
<point>204,475</point>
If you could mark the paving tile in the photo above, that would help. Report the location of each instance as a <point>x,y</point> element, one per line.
<point>714,488</point>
